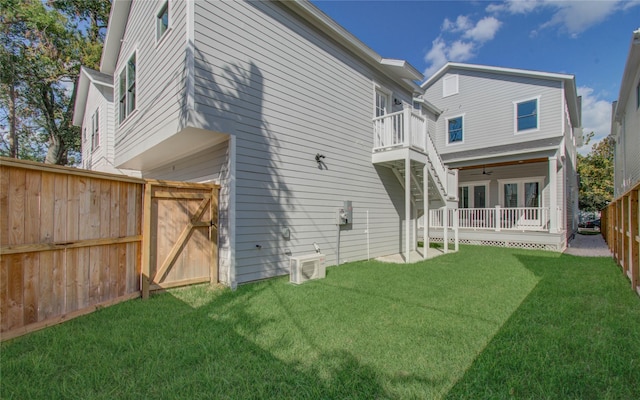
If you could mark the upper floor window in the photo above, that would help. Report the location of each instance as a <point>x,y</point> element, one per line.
<point>127,87</point>
<point>455,129</point>
<point>527,115</point>
<point>162,20</point>
<point>450,85</point>
<point>95,131</point>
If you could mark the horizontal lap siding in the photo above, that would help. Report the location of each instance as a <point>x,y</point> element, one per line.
<point>630,174</point>
<point>487,103</point>
<point>288,93</point>
<point>159,81</point>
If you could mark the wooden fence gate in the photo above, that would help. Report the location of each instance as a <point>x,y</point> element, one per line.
<point>180,234</point>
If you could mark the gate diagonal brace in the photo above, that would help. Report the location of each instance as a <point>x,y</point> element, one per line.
<point>184,236</point>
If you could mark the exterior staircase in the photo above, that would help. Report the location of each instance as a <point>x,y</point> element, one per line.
<point>402,143</point>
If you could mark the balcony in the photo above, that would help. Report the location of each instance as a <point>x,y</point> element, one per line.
<point>400,130</point>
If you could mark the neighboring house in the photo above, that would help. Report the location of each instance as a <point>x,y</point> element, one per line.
<point>95,113</point>
<point>291,114</point>
<point>512,134</point>
<point>625,123</point>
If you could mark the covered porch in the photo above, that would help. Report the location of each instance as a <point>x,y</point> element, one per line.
<point>504,201</point>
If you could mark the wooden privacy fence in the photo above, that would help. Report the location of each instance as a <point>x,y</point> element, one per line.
<point>620,226</point>
<point>72,241</point>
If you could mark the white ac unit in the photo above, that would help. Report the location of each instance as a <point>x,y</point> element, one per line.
<point>307,267</point>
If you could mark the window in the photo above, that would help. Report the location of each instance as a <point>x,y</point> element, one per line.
<point>450,85</point>
<point>521,193</point>
<point>454,130</point>
<point>527,115</point>
<point>128,88</point>
<point>473,195</point>
<point>162,21</point>
<point>95,131</point>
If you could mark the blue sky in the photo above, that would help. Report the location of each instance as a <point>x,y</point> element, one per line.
<point>589,39</point>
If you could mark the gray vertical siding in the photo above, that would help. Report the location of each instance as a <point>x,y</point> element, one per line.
<point>159,81</point>
<point>486,99</point>
<point>287,93</point>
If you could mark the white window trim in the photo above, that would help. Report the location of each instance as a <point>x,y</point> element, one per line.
<point>471,185</point>
<point>446,129</point>
<point>379,88</point>
<point>515,115</point>
<point>520,182</point>
<point>95,128</point>
<point>169,24</point>
<point>449,77</point>
<point>117,77</point>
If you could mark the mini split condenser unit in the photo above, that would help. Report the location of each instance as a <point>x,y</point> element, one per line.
<point>304,268</point>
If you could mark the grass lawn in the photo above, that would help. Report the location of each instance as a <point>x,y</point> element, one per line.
<point>483,323</point>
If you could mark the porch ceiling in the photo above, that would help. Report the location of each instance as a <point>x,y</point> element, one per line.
<point>518,153</point>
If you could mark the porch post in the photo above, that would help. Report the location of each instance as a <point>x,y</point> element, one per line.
<point>425,207</point>
<point>553,194</point>
<point>456,222</point>
<point>407,207</point>
<point>445,225</point>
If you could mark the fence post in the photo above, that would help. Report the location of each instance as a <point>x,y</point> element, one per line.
<point>633,235</point>
<point>146,241</point>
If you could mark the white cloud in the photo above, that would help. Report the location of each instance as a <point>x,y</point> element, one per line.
<point>571,17</point>
<point>484,30</point>
<point>462,23</point>
<point>470,36</point>
<point>441,52</point>
<point>577,16</point>
<point>596,116</point>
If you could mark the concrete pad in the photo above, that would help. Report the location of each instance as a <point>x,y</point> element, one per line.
<point>414,256</point>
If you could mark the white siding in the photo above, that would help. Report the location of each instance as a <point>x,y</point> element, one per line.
<point>487,102</point>
<point>287,93</point>
<point>160,74</point>
<point>629,148</point>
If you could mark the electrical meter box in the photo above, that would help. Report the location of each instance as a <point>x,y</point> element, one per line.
<point>345,213</point>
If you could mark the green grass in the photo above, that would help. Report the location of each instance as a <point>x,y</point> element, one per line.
<point>483,323</point>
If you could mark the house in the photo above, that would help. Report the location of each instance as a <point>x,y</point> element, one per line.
<point>512,135</point>
<point>315,139</point>
<point>625,123</point>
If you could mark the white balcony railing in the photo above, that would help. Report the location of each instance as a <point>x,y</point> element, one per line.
<point>495,219</point>
<point>399,129</point>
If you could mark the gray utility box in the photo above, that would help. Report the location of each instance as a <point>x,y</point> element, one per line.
<point>345,213</point>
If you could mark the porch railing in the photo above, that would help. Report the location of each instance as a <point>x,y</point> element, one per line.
<point>496,219</point>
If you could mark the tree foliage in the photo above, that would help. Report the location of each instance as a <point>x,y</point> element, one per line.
<point>42,46</point>
<point>596,175</point>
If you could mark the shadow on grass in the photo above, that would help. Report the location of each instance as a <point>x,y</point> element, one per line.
<point>171,347</point>
<point>576,335</point>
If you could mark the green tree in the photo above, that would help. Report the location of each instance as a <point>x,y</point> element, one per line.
<point>42,46</point>
<point>596,175</point>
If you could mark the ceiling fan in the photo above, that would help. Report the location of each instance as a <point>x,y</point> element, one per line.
<point>484,172</point>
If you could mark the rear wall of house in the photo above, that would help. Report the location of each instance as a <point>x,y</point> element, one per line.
<point>486,101</point>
